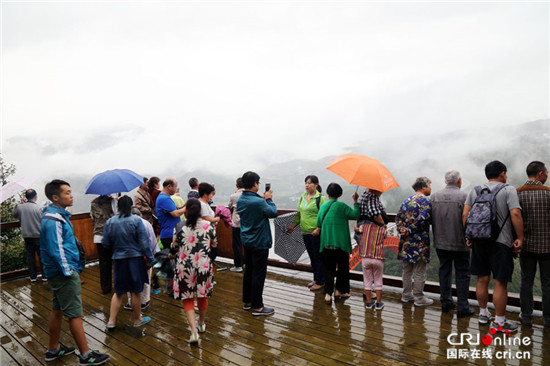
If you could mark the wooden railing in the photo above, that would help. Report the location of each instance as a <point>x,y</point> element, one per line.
<point>83,229</point>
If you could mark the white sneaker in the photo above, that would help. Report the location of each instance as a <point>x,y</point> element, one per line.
<point>194,338</point>
<point>201,328</point>
<point>508,326</point>
<point>484,319</point>
<point>236,269</point>
<point>424,302</point>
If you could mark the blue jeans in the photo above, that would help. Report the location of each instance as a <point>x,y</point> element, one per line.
<point>313,245</point>
<point>462,277</point>
<point>528,263</point>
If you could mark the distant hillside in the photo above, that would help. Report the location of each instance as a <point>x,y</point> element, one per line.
<point>406,156</point>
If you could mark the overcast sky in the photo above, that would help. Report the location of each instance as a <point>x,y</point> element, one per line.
<point>231,86</point>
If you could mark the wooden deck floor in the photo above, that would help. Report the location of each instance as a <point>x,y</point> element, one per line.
<point>302,331</point>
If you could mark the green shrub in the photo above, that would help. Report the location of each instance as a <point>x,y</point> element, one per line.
<point>13,255</point>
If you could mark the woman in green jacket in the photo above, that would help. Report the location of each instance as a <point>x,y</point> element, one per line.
<point>308,208</point>
<point>333,224</point>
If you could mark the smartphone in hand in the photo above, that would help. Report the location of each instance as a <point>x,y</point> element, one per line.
<point>267,187</point>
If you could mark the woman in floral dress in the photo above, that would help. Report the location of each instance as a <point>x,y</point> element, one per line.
<point>193,277</point>
<point>413,221</point>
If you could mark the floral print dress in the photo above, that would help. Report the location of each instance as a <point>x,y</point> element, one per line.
<point>415,215</point>
<point>193,274</point>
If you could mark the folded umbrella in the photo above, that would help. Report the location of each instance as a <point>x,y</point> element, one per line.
<point>291,246</point>
<point>363,171</point>
<point>113,181</point>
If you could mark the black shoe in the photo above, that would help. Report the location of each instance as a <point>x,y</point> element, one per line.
<point>145,306</point>
<point>94,358</point>
<point>264,311</point>
<point>448,307</point>
<point>127,306</point>
<point>526,320</point>
<point>466,313</point>
<point>62,351</point>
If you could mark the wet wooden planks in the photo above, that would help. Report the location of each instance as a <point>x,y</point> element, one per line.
<point>303,331</point>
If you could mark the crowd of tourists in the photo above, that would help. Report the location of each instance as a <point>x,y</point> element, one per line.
<point>479,233</point>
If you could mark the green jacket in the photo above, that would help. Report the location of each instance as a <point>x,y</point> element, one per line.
<point>335,231</point>
<point>307,216</point>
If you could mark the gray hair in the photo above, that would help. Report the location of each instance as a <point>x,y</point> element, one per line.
<point>452,177</point>
<point>420,183</point>
<point>136,212</point>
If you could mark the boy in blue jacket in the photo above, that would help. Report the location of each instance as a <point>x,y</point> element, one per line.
<point>61,260</point>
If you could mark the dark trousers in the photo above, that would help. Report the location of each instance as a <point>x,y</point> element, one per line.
<point>462,277</point>
<point>237,247</point>
<point>105,255</point>
<point>336,264</point>
<point>255,261</point>
<point>166,243</point>
<point>528,263</point>
<point>32,246</point>
<point>313,245</point>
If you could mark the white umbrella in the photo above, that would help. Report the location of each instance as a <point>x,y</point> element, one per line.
<point>12,188</point>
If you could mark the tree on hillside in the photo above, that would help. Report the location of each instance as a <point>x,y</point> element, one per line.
<point>12,249</point>
<point>6,171</point>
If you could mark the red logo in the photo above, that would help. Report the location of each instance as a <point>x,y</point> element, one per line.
<point>486,340</point>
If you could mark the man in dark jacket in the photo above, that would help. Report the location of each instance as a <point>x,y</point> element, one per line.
<point>255,212</point>
<point>102,210</point>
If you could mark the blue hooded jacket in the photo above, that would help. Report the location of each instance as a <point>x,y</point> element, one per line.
<point>58,250</point>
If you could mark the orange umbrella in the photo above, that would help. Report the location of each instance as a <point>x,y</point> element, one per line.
<point>363,171</point>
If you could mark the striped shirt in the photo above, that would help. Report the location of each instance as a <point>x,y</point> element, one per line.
<point>534,199</point>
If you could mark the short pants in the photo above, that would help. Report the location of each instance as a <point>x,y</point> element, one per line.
<point>67,295</point>
<point>492,257</point>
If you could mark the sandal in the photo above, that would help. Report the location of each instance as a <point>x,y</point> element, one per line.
<point>339,296</point>
<point>312,283</point>
<point>316,287</point>
<point>328,299</point>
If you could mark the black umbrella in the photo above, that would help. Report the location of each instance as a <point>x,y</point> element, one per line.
<point>288,246</point>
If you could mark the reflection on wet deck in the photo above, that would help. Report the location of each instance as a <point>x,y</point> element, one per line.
<point>302,331</point>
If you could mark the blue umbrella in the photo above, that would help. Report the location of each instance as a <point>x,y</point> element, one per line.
<point>113,181</point>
